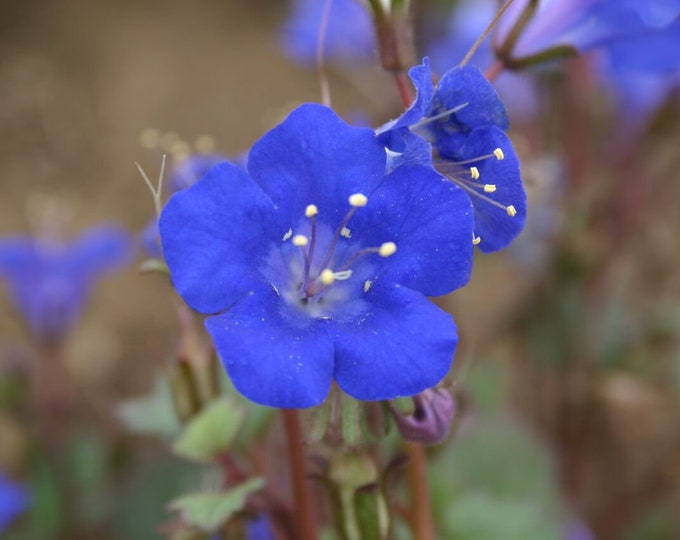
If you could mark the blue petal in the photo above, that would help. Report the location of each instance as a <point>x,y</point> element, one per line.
<point>430,220</point>
<point>191,169</point>
<point>274,357</point>
<point>314,157</point>
<point>99,251</point>
<point>457,87</point>
<point>403,346</point>
<point>493,224</point>
<point>214,234</point>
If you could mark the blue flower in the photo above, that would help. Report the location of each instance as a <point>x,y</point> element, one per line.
<point>13,501</point>
<point>50,281</point>
<point>314,264</point>
<point>349,34</point>
<point>464,121</point>
<point>586,24</point>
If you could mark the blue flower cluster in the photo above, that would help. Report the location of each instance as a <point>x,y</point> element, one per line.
<point>463,120</point>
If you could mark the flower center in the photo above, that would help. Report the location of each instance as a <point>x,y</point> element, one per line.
<point>325,260</point>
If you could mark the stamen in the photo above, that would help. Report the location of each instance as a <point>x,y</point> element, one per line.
<point>357,200</point>
<point>474,172</point>
<point>476,240</point>
<point>444,114</point>
<point>342,275</point>
<point>288,234</point>
<point>311,210</point>
<point>512,212</point>
<point>346,233</point>
<point>499,154</point>
<point>489,188</point>
<point>387,249</point>
<point>300,240</point>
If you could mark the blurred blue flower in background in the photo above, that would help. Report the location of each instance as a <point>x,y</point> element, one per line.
<point>13,501</point>
<point>463,119</point>
<point>49,281</point>
<point>314,264</point>
<point>586,24</point>
<point>349,34</point>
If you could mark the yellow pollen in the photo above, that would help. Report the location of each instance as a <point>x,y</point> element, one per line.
<point>311,210</point>
<point>489,188</point>
<point>367,285</point>
<point>387,249</point>
<point>288,234</point>
<point>346,233</point>
<point>512,212</point>
<point>476,240</point>
<point>358,199</point>
<point>499,154</point>
<point>474,172</point>
<point>300,240</point>
<point>327,277</point>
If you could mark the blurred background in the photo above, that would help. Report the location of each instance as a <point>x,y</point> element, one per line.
<point>568,370</point>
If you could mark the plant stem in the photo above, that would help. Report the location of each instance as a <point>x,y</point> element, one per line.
<point>421,507</point>
<point>404,87</point>
<point>302,511</point>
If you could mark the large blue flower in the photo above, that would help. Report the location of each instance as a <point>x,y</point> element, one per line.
<point>13,501</point>
<point>50,281</point>
<point>314,264</point>
<point>464,122</point>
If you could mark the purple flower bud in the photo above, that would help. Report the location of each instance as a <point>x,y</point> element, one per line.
<point>430,421</point>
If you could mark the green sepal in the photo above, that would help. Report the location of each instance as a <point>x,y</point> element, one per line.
<point>211,432</point>
<point>209,511</point>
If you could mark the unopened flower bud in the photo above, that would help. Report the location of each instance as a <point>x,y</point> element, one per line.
<point>431,417</point>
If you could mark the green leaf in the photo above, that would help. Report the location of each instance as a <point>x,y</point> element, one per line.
<point>210,432</point>
<point>153,414</point>
<point>209,511</point>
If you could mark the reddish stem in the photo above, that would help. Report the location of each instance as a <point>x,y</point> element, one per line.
<point>303,511</point>
<point>404,86</point>
<point>494,70</point>
<point>421,507</point>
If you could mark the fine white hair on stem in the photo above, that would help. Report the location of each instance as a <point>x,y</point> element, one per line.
<point>157,190</point>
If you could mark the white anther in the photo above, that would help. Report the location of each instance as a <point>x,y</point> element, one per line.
<point>499,154</point>
<point>387,249</point>
<point>358,199</point>
<point>511,210</point>
<point>367,285</point>
<point>474,172</point>
<point>311,210</point>
<point>288,235</point>
<point>327,277</point>
<point>346,233</point>
<point>300,240</point>
<point>342,275</point>
<point>489,188</point>
<point>476,240</point>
